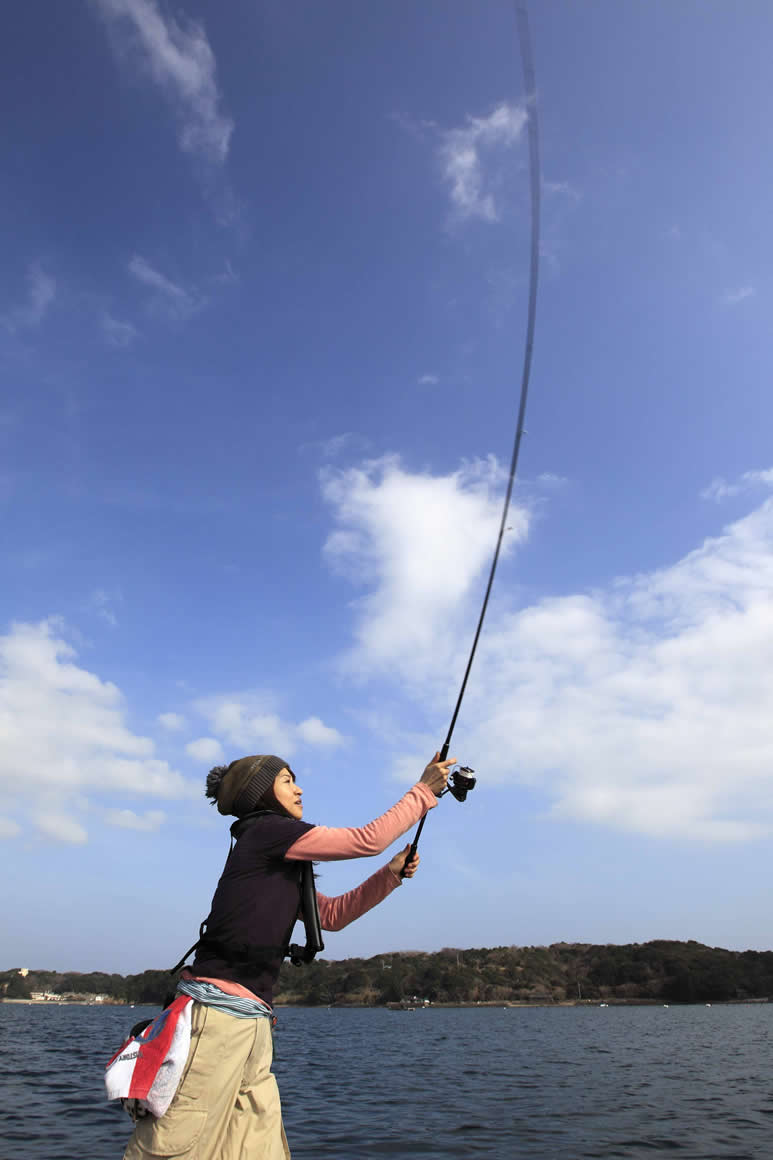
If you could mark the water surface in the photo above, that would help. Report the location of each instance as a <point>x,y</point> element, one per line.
<point>499,1082</point>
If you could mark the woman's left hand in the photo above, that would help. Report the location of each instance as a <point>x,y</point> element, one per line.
<point>404,867</point>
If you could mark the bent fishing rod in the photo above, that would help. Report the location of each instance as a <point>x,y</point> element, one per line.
<point>461,781</point>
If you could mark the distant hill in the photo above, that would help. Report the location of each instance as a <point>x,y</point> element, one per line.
<point>661,970</point>
<point>679,972</point>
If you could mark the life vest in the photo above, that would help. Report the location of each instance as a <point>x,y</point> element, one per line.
<point>255,955</point>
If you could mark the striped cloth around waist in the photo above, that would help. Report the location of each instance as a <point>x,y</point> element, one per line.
<point>212,996</point>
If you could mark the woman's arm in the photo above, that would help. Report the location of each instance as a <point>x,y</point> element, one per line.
<point>327,844</point>
<point>336,913</point>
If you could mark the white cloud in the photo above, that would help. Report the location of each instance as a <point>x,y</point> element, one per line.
<point>249,722</point>
<point>174,722</point>
<point>206,749</point>
<point>147,823</point>
<point>179,58</point>
<point>41,292</point>
<point>646,706</point>
<point>117,333</point>
<point>733,297</point>
<point>550,479</point>
<point>315,732</point>
<point>720,489</point>
<point>428,380</point>
<point>63,733</point>
<point>9,829</point>
<point>418,542</point>
<point>460,157</point>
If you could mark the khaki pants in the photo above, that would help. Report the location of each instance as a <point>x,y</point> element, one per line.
<point>227,1104</point>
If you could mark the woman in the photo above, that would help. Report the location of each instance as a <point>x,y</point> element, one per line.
<point>227,1103</point>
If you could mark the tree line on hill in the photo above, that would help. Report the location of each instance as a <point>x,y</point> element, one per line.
<point>680,972</point>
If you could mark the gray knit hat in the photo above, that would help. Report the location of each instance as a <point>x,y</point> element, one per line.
<point>237,788</point>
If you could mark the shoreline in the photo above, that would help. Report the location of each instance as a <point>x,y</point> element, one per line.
<point>406,1006</point>
<point>517,1003</point>
<point>75,1003</point>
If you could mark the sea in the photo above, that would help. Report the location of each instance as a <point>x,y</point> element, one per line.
<point>572,1082</point>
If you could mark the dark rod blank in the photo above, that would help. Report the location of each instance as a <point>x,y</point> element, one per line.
<point>534,170</point>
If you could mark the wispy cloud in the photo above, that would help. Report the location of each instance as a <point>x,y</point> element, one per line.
<point>144,272</point>
<point>428,380</point>
<point>720,489</point>
<point>332,447</point>
<point>335,445</point>
<point>644,706</point>
<point>417,127</point>
<point>734,297</point>
<point>561,189</point>
<point>101,603</point>
<point>117,333</point>
<point>228,276</point>
<point>60,826</point>
<point>41,292</point>
<point>168,295</point>
<point>460,153</point>
<point>179,58</point>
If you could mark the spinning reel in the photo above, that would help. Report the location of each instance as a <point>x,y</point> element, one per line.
<point>460,783</point>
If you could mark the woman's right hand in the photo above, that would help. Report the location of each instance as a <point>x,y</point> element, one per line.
<point>436,774</point>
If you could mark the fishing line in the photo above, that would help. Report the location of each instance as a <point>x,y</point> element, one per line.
<point>527,63</point>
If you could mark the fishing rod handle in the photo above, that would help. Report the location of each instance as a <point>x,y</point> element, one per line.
<point>414,844</point>
<point>443,754</point>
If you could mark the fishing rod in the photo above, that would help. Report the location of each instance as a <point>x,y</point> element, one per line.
<point>461,781</point>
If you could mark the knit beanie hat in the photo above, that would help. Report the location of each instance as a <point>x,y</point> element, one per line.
<point>237,788</point>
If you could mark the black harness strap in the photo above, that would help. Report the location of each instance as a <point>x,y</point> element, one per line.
<point>310,912</point>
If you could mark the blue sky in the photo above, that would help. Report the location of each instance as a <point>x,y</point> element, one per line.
<point>262,309</point>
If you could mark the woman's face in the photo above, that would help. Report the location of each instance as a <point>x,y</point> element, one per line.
<point>288,795</point>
